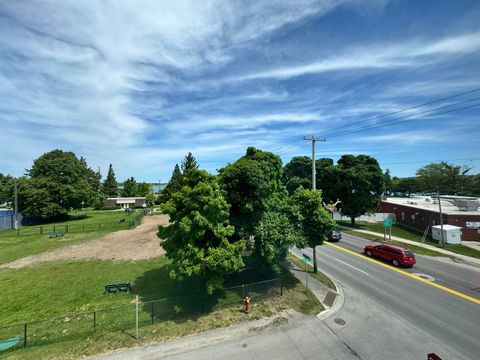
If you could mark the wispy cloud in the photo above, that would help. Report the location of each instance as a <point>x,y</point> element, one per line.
<point>140,84</point>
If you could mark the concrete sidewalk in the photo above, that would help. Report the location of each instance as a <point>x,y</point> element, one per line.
<point>467,259</point>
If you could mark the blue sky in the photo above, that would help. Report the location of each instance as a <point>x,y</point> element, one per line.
<point>140,83</point>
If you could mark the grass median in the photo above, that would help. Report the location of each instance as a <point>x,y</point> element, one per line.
<point>324,279</point>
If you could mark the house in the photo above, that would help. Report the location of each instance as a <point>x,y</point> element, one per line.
<point>126,202</point>
<point>423,212</point>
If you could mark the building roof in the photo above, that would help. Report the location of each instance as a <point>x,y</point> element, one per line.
<point>431,204</point>
<point>446,227</point>
<point>128,198</point>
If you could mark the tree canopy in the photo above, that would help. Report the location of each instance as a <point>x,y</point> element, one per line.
<point>444,177</point>
<point>249,183</point>
<point>110,185</point>
<point>316,223</point>
<point>129,188</point>
<point>188,163</point>
<point>359,184</point>
<point>58,182</point>
<point>197,238</point>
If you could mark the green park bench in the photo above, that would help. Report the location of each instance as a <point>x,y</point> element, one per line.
<point>56,234</point>
<point>117,288</point>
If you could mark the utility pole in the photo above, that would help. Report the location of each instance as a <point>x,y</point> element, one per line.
<point>16,205</point>
<point>442,243</point>
<point>314,139</point>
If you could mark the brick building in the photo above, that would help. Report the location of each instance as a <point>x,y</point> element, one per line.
<point>126,202</point>
<point>421,212</point>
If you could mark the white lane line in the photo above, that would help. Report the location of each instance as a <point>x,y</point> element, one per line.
<point>343,262</point>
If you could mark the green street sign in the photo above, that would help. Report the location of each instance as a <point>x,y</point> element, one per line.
<point>387,222</point>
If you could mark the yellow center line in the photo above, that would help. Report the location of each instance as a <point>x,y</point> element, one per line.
<point>431,283</point>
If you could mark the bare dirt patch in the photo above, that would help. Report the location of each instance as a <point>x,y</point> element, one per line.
<point>137,244</point>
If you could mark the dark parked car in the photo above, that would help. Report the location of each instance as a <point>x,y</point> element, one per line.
<point>397,255</point>
<point>335,235</point>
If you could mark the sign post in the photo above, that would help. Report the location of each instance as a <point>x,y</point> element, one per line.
<point>307,260</point>
<point>387,223</point>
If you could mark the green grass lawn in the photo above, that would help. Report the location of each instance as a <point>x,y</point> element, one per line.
<point>61,288</point>
<point>413,235</point>
<point>319,275</point>
<point>31,241</point>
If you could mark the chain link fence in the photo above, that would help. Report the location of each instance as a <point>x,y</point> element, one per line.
<point>125,317</point>
<point>53,230</point>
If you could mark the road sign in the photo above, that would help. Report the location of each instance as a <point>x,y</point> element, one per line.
<point>306,258</point>
<point>387,222</point>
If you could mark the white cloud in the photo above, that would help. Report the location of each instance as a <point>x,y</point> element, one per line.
<point>405,54</point>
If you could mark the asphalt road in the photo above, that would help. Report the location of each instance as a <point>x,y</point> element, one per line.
<point>452,322</point>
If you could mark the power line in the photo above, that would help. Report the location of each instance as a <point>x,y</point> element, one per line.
<point>398,120</point>
<point>405,109</point>
<point>425,161</point>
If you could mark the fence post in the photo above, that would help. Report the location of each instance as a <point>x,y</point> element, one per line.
<point>41,229</point>
<point>136,315</point>
<point>94,321</point>
<point>243,291</point>
<point>152,311</point>
<point>25,335</point>
<point>66,228</point>
<point>53,228</point>
<point>281,287</point>
<point>18,231</point>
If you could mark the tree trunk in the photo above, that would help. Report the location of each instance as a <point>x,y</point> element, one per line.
<point>315,269</point>
<point>352,220</point>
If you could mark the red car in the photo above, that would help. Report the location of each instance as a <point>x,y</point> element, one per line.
<point>397,255</point>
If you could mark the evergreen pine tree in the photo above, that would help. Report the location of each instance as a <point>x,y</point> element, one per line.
<point>189,162</point>
<point>110,185</point>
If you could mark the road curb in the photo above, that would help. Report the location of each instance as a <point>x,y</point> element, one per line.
<point>337,303</point>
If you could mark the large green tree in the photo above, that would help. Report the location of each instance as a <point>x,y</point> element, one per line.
<point>359,185</point>
<point>405,186</point>
<point>110,185</point>
<point>444,177</point>
<point>145,189</point>
<point>197,239</point>
<point>298,173</point>
<point>316,222</point>
<point>277,230</point>
<point>188,163</point>
<point>174,184</point>
<point>5,181</point>
<point>249,183</point>
<point>59,181</point>
<point>129,188</point>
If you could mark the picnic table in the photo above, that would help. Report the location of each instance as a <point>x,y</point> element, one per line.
<point>117,288</point>
<point>56,234</point>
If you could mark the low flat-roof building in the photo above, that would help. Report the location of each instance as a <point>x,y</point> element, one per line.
<point>126,202</point>
<point>422,212</point>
